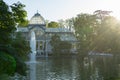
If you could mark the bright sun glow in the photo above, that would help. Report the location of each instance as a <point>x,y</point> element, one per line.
<point>63,9</point>
<point>114,6</point>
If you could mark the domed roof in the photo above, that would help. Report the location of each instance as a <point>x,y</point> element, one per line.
<point>37,19</point>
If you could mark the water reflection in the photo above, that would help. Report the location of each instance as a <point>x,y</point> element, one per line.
<point>90,68</point>
<point>57,69</point>
<point>32,71</point>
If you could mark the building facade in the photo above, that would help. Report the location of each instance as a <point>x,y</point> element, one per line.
<point>44,34</point>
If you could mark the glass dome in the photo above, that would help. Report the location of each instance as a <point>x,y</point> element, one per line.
<point>37,19</point>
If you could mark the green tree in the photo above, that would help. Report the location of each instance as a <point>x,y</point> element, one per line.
<point>84,26</point>
<point>69,23</point>
<point>9,43</point>
<point>53,24</point>
<point>18,12</point>
<point>107,34</point>
<point>60,47</point>
<point>100,14</point>
<point>97,36</point>
<point>55,40</point>
<point>20,52</point>
<point>65,47</point>
<point>24,24</point>
<point>8,63</point>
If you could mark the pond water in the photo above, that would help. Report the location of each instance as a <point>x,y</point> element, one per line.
<point>74,68</point>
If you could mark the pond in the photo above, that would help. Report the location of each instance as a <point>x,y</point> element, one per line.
<point>76,68</point>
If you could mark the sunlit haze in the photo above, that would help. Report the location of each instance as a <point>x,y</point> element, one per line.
<point>54,10</point>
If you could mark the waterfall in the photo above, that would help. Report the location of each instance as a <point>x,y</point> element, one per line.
<point>33,47</point>
<point>33,56</point>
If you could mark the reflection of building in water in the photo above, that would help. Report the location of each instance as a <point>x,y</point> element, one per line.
<point>43,34</point>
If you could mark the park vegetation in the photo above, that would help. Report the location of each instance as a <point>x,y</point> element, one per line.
<point>97,32</point>
<point>59,47</point>
<point>53,24</point>
<point>13,48</point>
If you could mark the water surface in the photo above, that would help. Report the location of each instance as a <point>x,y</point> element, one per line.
<point>72,68</point>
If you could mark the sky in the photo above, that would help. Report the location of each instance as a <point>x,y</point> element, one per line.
<point>54,10</point>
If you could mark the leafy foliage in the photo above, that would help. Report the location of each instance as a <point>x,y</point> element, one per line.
<point>18,12</point>
<point>13,48</point>
<point>100,34</point>
<point>107,34</point>
<point>84,29</point>
<point>60,47</point>
<point>55,43</point>
<point>8,63</point>
<point>96,34</point>
<point>24,24</point>
<point>53,24</point>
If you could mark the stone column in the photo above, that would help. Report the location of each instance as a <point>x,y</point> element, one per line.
<point>46,45</point>
<point>39,47</point>
<point>42,45</point>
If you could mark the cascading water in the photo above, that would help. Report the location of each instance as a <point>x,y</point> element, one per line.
<point>33,47</point>
<point>33,56</point>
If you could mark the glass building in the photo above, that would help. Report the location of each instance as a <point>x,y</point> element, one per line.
<point>44,34</point>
